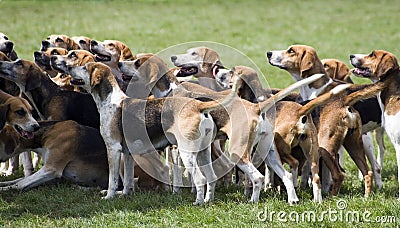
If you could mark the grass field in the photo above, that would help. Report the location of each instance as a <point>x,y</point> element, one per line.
<point>334,28</point>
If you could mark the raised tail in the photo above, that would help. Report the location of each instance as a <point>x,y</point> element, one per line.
<point>209,106</point>
<point>267,104</point>
<point>363,92</point>
<point>311,105</point>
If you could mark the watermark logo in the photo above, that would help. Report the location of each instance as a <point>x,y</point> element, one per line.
<point>339,214</point>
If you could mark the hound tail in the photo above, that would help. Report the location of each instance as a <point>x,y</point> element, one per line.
<point>267,104</point>
<point>322,99</point>
<point>363,92</point>
<point>209,106</point>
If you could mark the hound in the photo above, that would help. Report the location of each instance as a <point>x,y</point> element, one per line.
<point>382,67</point>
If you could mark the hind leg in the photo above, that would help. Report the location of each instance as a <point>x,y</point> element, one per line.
<point>205,160</point>
<point>355,148</point>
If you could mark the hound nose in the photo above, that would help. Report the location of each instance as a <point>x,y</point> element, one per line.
<point>93,42</point>
<point>119,64</point>
<point>9,45</point>
<point>36,127</point>
<point>269,54</point>
<point>352,56</point>
<point>45,45</point>
<point>173,58</point>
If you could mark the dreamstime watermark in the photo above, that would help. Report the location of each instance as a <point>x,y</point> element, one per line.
<point>339,214</point>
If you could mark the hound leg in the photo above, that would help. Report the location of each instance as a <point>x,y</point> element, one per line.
<point>354,147</point>
<point>177,171</point>
<point>26,159</point>
<point>333,166</point>
<point>43,175</point>
<point>379,133</point>
<point>369,152</point>
<point>205,160</point>
<point>129,171</point>
<point>114,159</point>
<point>189,159</point>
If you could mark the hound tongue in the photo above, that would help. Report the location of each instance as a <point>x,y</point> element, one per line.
<point>360,71</point>
<point>28,135</point>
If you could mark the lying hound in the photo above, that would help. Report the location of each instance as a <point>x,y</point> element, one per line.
<point>184,121</point>
<point>243,133</point>
<point>71,151</point>
<point>47,98</point>
<point>62,41</point>
<point>17,112</point>
<point>341,126</point>
<point>382,66</point>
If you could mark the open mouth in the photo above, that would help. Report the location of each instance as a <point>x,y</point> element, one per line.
<point>102,58</point>
<point>188,71</point>
<point>23,133</point>
<point>77,82</point>
<point>361,72</point>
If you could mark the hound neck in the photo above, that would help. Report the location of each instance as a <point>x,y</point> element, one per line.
<point>311,92</point>
<point>108,94</point>
<point>42,94</point>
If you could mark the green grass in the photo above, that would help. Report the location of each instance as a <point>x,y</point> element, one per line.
<point>335,28</point>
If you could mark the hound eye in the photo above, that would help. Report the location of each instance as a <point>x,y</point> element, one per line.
<point>137,64</point>
<point>290,50</point>
<point>48,38</point>
<point>194,53</point>
<point>54,52</point>
<point>72,55</point>
<point>59,40</point>
<point>21,112</point>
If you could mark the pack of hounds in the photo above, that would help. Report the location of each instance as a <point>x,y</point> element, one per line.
<point>100,116</point>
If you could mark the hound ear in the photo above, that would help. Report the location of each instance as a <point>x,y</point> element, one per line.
<point>3,115</point>
<point>307,62</point>
<point>73,44</point>
<point>342,71</point>
<point>126,53</point>
<point>387,63</point>
<point>33,80</point>
<point>96,76</point>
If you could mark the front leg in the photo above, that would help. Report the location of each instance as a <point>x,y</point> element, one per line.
<point>114,158</point>
<point>129,169</point>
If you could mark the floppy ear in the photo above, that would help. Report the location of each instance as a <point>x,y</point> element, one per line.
<point>34,79</point>
<point>387,63</point>
<point>86,59</point>
<point>96,76</point>
<point>73,44</point>
<point>341,71</point>
<point>307,62</point>
<point>126,53</point>
<point>3,115</point>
